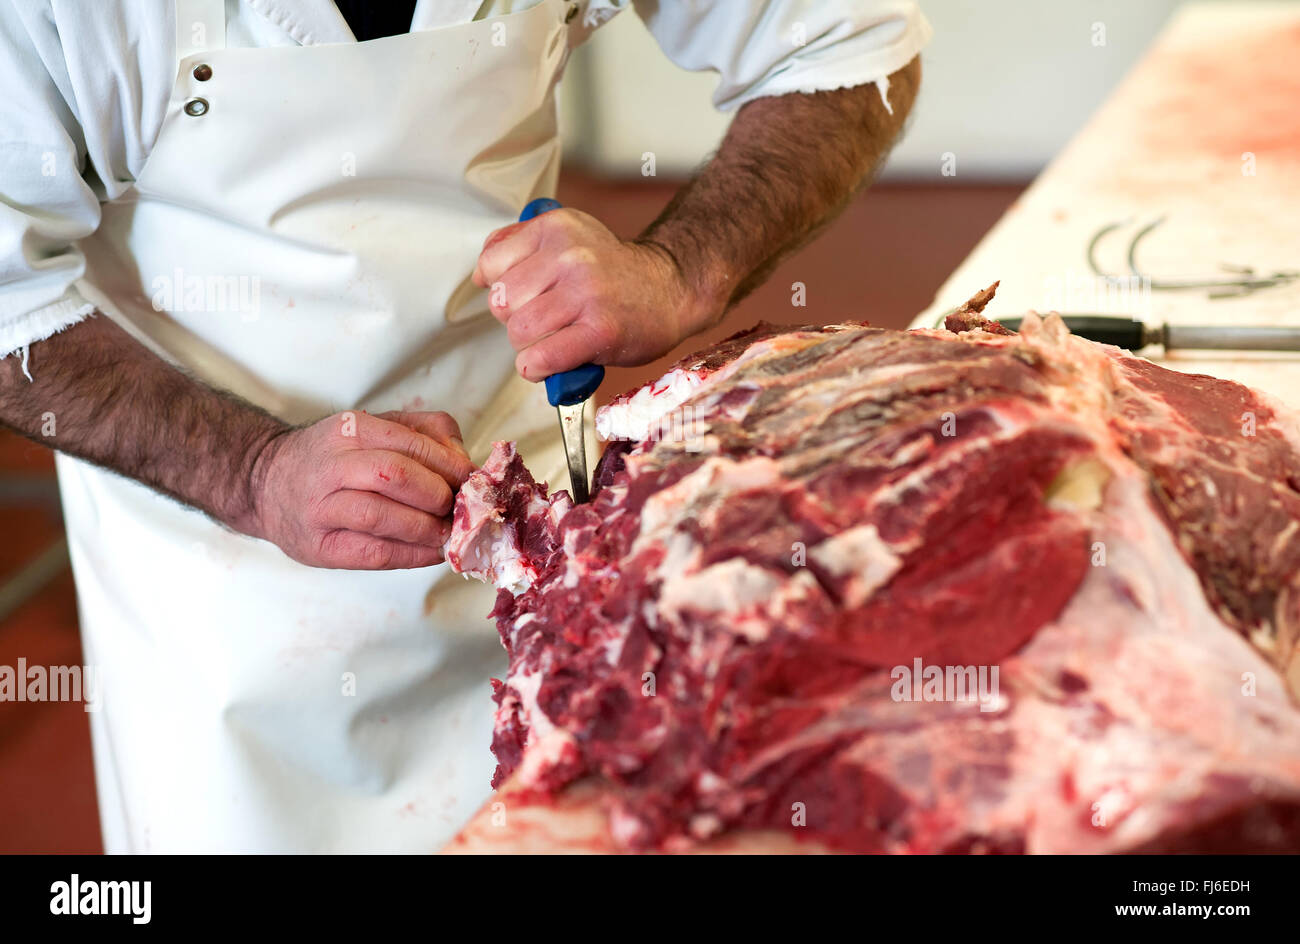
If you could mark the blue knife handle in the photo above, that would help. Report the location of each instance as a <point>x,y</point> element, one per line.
<point>569,386</point>
<point>538,207</point>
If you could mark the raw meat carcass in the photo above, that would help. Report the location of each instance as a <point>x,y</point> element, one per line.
<point>911,591</point>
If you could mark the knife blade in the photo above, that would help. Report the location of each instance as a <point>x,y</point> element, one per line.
<point>569,391</point>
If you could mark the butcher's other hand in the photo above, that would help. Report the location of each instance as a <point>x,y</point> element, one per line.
<point>570,292</point>
<point>361,491</point>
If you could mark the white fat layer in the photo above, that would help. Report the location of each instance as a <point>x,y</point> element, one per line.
<point>491,550</point>
<point>526,686</point>
<point>492,556</point>
<point>623,828</point>
<point>509,573</point>
<point>1080,485</point>
<point>1285,419</point>
<point>547,745</point>
<point>860,553</point>
<point>727,587</point>
<point>753,599</point>
<point>718,474</point>
<point>543,753</point>
<point>681,554</point>
<point>1176,654</point>
<point>636,416</point>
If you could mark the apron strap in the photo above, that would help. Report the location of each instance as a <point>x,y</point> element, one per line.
<point>200,26</point>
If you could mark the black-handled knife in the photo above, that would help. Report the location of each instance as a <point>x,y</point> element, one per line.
<point>1135,335</point>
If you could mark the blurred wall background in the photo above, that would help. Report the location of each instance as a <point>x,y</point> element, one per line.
<point>1006,83</point>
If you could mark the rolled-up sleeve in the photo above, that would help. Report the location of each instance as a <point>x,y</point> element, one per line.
<point>772,47</point>
<point>45,205</point>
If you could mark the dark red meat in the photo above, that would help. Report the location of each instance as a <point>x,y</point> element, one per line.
<point>744,626</point>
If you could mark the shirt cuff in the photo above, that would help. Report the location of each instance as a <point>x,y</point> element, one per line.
<point>17,333</point>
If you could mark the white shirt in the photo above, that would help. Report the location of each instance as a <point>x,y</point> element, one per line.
<point>85,85</point>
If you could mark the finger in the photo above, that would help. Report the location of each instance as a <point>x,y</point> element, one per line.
<point>368,513</point>
<point>505,248</point>
<point>394,476</point>
<point>583,342</point>
<point>523,282</point>
<point>440,457</point>
<point>440,426</point>
<point>544,315</point>
<point>352,551</point>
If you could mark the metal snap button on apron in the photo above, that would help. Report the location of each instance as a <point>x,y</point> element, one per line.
<point>196,107</point>
<point>203,72</point>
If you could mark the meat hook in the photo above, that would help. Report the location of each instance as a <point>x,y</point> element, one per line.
<point>1245,282</point>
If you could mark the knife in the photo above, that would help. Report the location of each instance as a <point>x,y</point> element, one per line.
<point>1134,335</point>
<point>568,391</point>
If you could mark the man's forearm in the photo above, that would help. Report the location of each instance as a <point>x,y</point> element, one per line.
<point>571,292</point>
<point>114,402</point>
<point>786,167</point>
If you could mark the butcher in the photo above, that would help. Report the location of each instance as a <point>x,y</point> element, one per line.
<point>261,288</point>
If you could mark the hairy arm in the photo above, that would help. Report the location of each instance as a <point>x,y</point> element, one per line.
<point>353,490</point>
<point>788,166</point>
<point>569,291</point>
<point>115,403</point>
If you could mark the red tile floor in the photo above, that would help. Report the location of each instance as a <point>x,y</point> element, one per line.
<point>882,261</point>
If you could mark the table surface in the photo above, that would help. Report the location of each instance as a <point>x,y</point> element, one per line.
<point>517,822</point>
<point>1205,131</point>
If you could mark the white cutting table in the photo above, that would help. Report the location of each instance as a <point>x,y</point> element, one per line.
<point>1218,90</point>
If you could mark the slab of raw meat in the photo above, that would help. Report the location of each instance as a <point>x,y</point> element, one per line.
<point>504,523</point>
<point>727,634</point>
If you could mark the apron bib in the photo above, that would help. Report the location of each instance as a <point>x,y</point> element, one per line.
<point>303,235</point>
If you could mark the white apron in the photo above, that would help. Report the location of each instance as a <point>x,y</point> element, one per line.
<point>251,703</point>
